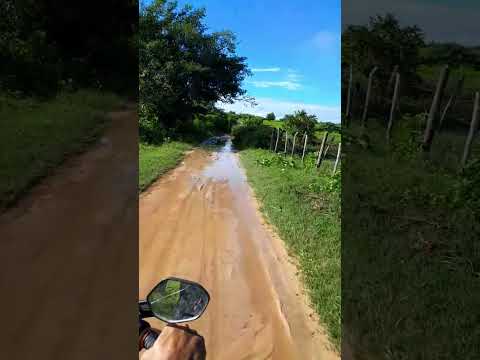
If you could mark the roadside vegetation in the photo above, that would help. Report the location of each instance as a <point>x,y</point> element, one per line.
<point>303,204</point>
<point>411,257</point>
<point>156,160</point>
<point>60,75</point>
<point>36,136</point>
<point>410,251</point>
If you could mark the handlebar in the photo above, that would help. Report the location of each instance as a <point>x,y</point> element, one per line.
<point>147,336</point>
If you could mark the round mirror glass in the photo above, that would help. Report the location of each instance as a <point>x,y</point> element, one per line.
<point>176,300</point>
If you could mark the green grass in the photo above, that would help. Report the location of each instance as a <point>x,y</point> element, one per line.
<point>273,123</point>
<point>304,205</point>
<point>472,77</point>
<point>155,160</point>
<point>36,136</point>
<point>410,252</point>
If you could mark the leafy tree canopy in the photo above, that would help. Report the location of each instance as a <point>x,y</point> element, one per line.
<point>183,68</point>
<point>300,122</point>
<point>383,43</point>
<point>43,42</point>
<point>270,116</point>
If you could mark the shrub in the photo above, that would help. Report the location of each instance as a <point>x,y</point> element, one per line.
<point>407,136</point>
<point>248,120</point>
<point>251,136</point>
<point>150,128</point>
<point>301,122</point>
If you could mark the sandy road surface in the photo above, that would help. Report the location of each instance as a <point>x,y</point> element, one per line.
<point>68,257</point>
<point>200,222</point>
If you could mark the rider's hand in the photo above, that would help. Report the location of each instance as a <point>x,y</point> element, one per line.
<point>177,343</point>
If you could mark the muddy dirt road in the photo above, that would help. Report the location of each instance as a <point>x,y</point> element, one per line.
<point>68,256</point>
<point>201,222</point>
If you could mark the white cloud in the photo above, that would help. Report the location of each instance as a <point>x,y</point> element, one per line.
<point>293,75</point>
<point>281,108</point>
<point>272,69</point>
<point>289,85</point>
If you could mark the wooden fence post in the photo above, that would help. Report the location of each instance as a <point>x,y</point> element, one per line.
<point>394,106</point>
<point>324,155</point>
<point>452,100</point>
<point>338,158</point>
<point>367,97</point>
<point>432,116</point>
<point>294,139</point>
<point>472,131</point>
<point>392,77</point>
<point>320,153</point>
<point>349,95</point>
<point>278,137</point>
<point>304,146</point>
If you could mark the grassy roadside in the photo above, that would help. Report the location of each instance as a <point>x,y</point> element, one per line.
<point>155,160</point>
<point>410,254</point>
<point>36,136</point>
<point>304,206</point>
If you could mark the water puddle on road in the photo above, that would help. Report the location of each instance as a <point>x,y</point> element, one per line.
<point>224,167</point>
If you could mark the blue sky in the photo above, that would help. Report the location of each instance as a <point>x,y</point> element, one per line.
<point>293,49</point>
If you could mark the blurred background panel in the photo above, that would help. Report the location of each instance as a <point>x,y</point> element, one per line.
<point>410,204</point>
<point>68,179</point>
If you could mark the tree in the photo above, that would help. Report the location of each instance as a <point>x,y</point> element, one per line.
<point>300,122</point>
<point>90,42</point>
<point>386,44</point>
<point>270,116</point>
<point>183,69</point>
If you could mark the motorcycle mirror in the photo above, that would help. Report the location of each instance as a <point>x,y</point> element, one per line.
<point>176,300</point>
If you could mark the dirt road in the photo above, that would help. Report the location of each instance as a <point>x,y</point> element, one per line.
<point>68,257</point>
<point>200,222</point>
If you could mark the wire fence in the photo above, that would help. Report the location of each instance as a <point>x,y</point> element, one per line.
<point>299,145</point>
<point>435,115</point>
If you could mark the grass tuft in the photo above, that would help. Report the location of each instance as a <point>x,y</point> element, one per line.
<point>36,136</point>
<point>155,160</point>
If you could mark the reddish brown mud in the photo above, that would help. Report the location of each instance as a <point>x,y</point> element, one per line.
<point>201,222</point>
<point>68,254</point>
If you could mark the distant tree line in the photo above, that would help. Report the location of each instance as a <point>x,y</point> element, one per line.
<point>390,47</point>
